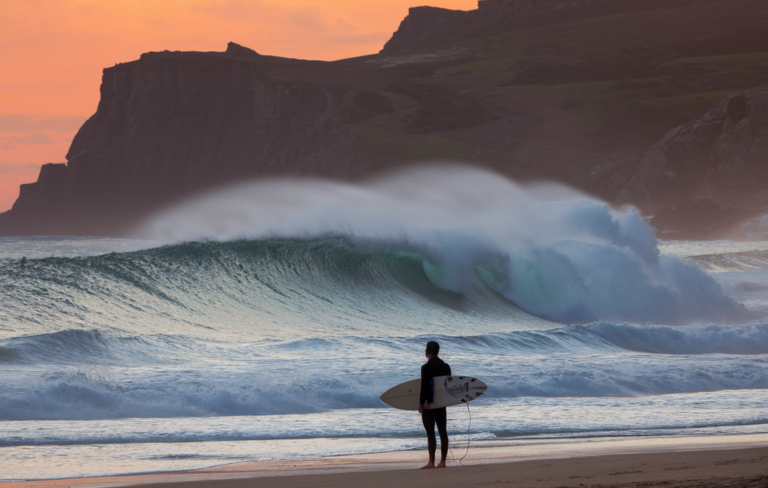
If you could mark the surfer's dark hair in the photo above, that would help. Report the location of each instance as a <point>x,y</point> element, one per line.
<point>433,348</point>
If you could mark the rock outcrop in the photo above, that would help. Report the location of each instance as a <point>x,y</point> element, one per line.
<point>723,157</point>
<point>720,159</point>
<point>701,219</point>
<point>422,23</point>
<point>429,27</point>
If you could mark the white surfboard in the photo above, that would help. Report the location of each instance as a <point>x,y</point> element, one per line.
<point>449,390</point>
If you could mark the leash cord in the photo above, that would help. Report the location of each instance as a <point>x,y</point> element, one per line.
<point>469,439</point>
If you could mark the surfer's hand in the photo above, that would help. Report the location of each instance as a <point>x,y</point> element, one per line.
<point>430,406</point>
<point>421,408</point>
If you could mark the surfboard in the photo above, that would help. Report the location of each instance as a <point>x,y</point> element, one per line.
<point>449,390</point>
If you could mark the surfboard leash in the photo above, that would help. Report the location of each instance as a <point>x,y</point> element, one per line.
<point>469,439</point>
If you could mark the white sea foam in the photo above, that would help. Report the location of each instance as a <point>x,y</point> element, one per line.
<point>743,340</point>
<point>597,361</point>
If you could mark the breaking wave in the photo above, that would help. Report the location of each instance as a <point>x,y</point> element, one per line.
<point>551,251</point>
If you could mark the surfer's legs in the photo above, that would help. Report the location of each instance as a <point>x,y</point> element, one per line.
<point>441,419</point>
<point>428,419</point>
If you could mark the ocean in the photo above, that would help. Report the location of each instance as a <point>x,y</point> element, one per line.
<point>263,321</point>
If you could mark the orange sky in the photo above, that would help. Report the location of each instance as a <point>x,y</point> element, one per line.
<point>52,53</point>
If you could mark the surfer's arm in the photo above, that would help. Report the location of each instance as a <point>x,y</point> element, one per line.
<point>430,392</point>
<point>425,396</point>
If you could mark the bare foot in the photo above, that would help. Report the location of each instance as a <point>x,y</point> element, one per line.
<point>429,465</point>
<point>442,464</point>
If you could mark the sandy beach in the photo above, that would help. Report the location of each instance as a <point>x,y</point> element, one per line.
<point>671,462</point>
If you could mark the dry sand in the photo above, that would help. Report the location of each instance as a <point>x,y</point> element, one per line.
<point>727,461</point>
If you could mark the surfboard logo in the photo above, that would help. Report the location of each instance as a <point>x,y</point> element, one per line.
<point>455,388</point>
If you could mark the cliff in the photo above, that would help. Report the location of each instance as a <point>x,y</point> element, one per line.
<point>422,23</point>
<point>551,89</point>
<point>519,7</point>
<point>171,124</point>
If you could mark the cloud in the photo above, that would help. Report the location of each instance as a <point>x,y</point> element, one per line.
<point>308,17</point>
<point>158,23</point>
<point>344,25</point>
<point>7,169</point>
<point>28,139</point>
<point>33,138</point>
<point>31,123</point>
<point>369,38</point>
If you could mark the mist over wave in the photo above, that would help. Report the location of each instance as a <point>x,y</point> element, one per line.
<point>552,251</point>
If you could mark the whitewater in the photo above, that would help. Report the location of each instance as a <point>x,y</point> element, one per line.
<point>262,321</point>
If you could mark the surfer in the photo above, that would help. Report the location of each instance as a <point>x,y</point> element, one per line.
<point>431,416</point>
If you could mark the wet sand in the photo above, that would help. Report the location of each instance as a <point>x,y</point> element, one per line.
<point>670,462</point>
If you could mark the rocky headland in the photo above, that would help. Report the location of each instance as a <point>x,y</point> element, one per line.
<point>570,90</point>
<point>703,177</point>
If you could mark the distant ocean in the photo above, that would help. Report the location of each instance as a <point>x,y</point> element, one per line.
<point>263,322</point>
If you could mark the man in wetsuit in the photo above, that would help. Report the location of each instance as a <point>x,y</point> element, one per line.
<point>430,415</point>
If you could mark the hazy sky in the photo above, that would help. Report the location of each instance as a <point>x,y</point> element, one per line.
<point>52,53</point>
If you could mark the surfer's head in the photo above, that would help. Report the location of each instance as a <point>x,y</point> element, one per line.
<point>433,348</point>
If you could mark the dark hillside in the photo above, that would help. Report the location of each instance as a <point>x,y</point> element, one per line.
<point>546,89</point>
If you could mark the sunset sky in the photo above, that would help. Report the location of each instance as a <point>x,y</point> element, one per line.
<point>52,53</point>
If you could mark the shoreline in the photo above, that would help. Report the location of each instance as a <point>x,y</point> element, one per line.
<point>601,461</point>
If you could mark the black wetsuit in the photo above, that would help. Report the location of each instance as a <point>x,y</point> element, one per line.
<point>436,416</point>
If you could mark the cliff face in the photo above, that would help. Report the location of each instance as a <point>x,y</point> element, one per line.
<point>535,89</point>
<point>193,119</point>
